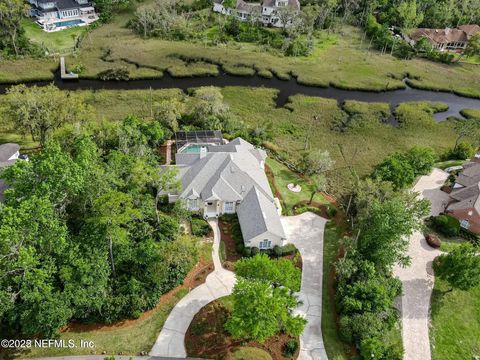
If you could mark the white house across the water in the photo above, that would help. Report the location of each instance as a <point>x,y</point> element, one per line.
<point>267,10</point>
<point>55,15</point>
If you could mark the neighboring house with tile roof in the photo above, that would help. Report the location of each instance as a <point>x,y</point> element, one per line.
<point>464,202</point>
<point>55,15</point>
<point>447,39</point>
<point>227,179</point>
<point>267,10</point>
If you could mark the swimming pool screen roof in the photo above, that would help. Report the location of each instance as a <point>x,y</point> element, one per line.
<point>198,137</point>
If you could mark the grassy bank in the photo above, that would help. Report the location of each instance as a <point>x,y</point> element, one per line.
<point>455,323</point>
<point>343,59</point>
<point>344,62</point>
<point>335,348</point>
<point>364,144</point>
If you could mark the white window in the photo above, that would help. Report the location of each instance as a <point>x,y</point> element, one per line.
<point>229,207</point>
<point>265,244</point>
<point>192,204</point>
<point>465,224</point>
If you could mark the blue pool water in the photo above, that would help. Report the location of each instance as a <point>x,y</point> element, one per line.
<point>193,149</point>
<point>69,23</point>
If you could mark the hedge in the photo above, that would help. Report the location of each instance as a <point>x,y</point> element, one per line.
<point>445,224</point>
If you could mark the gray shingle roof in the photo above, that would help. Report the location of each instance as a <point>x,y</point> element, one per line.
<point>257,214</point>
<point>7,151</point>
<point>233,172</point>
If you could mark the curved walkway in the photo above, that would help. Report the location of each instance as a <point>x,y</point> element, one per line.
<point>306,232</point>
<point>417,279</point>
<point>171,341</point>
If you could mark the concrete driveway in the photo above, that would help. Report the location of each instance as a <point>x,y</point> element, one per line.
<point>171,341</point>
<point>417,279</point>
<point>306,232</point>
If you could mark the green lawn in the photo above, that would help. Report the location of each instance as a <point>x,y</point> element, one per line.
<point>131,339</point>
<point>283,177</point>
<point>448,163</point>
<point>455,323</point>
<point>250,353</point>
<point>336,349</point>
<point>58,42</point>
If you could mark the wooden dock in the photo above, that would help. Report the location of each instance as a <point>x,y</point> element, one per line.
<point>63,72</point>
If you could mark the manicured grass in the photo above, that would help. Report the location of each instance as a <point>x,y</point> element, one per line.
<point>455,323</point>
<point>336,349</point>
<point>58,42</point>
<point>250,353</point>
<point>283,177</point>
<point>448,243</point>
<point>131,339</point>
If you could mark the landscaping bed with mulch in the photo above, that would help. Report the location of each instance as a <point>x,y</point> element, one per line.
<point>207,338</point>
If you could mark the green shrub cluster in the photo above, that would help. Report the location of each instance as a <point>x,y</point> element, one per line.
<point>462,151</point>
<point>290,348</point>
<point>445,224</point>
<point>401,169</point>
<point>200,227</point>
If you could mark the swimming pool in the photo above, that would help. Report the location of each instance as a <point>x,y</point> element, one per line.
<point>194,149</point>
<point>69,23</point>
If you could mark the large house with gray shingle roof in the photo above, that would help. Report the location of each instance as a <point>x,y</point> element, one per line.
<point>226,179</point>
<point>267,11</point>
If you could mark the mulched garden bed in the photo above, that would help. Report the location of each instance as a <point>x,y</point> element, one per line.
<point>207,338</point>
<point>229,241</point>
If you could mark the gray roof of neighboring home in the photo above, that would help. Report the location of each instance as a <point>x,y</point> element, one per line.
<point>247,7</point>
<point>7,151</point>
<point>292,3</point>
<point>65,4</point>
<point>257,214</point>
<point>469,195</point>
<point>231,172</point>
<point>470,175</point>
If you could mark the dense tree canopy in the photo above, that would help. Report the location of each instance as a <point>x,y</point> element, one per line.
<point>262,310</point>
<point>12,34</point>
<point>460,268</point>
<point>80,233</point>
